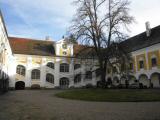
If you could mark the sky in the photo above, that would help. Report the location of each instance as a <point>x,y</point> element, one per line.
<point>40,18</point>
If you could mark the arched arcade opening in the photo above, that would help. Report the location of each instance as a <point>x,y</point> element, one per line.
<point>155,80</point>
<point>143,79</point>
<point>64,82</point>
<point>20,85</point>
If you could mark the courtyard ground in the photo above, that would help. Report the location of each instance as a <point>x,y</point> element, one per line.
<point>43,105</point>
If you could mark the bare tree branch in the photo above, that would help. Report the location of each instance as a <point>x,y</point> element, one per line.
<point>99,23</point>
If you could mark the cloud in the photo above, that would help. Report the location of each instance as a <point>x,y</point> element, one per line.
<point>52,17</point>
<point>143,11</point>
<point>39,13</point>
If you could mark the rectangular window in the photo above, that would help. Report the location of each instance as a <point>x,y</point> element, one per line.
<point>35,74</point>
<point>154,62</point>
<point>141,64</point>
<point>64,68</point>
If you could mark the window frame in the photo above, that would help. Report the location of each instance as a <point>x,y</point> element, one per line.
<point>77,79</point>
<point>77,66</point>
<point>50,78</point>
<point>64,67</point>
<point>21,70</point>
<point>141,64</point>
<point>35,74</point>
<point>152,63</point>
<point>50,65</point>
<point>64,81</point>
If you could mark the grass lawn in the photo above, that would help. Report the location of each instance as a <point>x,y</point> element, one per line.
<point>112,95</point>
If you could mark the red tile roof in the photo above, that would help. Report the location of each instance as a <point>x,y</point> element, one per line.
<point>43,48</point>
<point>31,46</point>
<point>83,50</point>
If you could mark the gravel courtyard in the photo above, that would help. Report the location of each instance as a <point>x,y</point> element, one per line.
<point>43,105</point>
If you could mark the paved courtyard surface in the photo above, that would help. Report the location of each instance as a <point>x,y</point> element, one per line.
<point>43,105</point>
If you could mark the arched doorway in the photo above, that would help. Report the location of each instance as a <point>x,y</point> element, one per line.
<point>20,85</point>
<point>155,80</point>
<point>64,83</point>
<point>109,81</point>
<point>132,79</point>
<point>123,80</point>
<point>143,79</point>
<point>116,81</point>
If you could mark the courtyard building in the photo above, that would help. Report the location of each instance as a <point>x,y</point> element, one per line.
<point>31,63</point>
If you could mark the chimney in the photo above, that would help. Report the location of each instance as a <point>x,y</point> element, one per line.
<point>48,38</point>
<point>148,29</point>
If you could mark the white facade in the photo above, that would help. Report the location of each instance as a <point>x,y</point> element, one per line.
<point>5,56</point>
<point>31,62</point>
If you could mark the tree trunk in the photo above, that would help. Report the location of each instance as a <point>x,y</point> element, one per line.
<point>103,73</point>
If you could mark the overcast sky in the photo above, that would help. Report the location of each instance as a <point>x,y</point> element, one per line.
<point>40,18</point>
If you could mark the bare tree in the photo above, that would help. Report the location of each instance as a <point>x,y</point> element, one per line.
<point>100,22</point>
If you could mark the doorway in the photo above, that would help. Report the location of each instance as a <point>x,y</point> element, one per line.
<point>20,85</point>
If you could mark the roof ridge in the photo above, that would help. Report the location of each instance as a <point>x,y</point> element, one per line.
<point>32,39</point>
<point>142,33</point>
<point>141,40</point>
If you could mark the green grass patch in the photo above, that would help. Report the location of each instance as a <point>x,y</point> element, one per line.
<point>112,95</point>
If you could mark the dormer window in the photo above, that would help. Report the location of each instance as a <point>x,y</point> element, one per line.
<point>64,46</point>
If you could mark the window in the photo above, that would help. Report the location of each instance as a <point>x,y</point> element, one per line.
<point>64,82</point>
<point>154,62</point>
<point>141,64</point>
<point>76,66</point>
<point>50,65</point>
<point>77,78</point>
<point>35,74</point>
<point>50,78</point>
<point>64,67</point>
<point>21,70</point>
<point>88,75</point>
